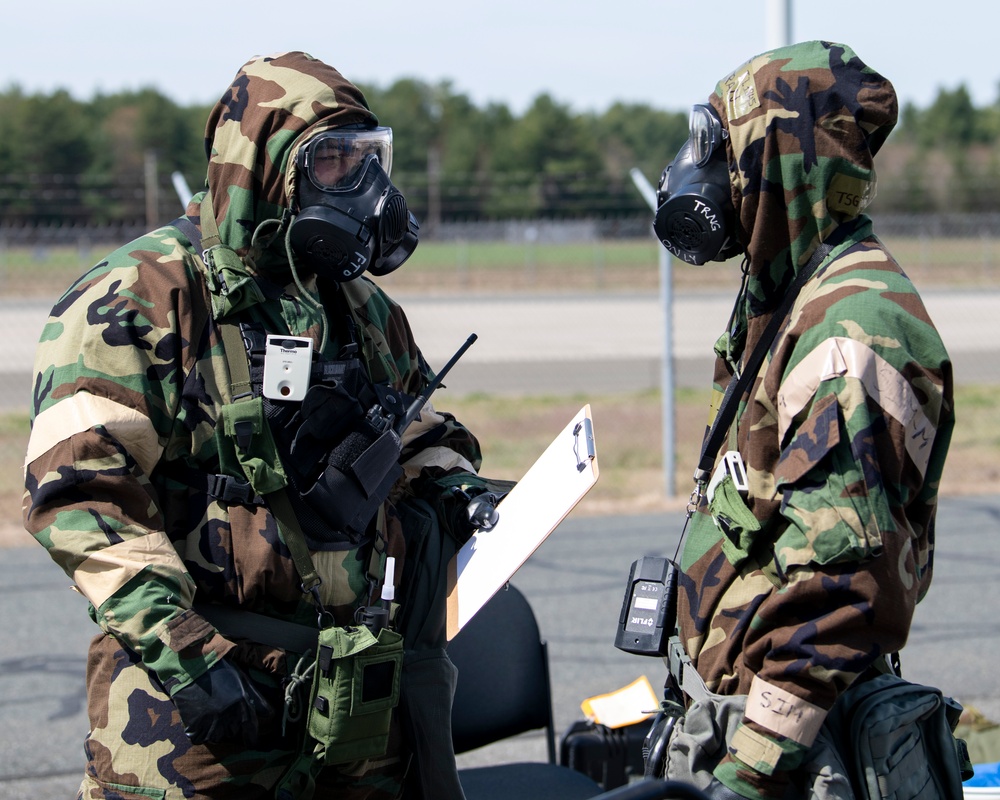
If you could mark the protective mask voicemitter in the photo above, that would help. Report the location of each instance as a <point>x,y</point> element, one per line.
<point>351,217</point>
<point>694,215</point>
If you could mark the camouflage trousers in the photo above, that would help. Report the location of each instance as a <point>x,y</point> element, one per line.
<point>137,749</point>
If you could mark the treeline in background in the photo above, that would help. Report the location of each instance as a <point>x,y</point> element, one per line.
<point>107,161</point>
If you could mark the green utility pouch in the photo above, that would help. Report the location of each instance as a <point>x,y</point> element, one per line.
<point>737,523</point>
<point>897,742</point>
<point>355,688</point>
<point>244,425</point>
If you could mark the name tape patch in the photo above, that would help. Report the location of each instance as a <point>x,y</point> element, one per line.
<point>783,712</point>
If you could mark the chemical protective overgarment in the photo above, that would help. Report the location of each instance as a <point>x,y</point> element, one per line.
<point>127,400</point>
<point>791,593</point>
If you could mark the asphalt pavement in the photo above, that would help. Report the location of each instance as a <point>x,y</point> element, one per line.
<point>575,582</point>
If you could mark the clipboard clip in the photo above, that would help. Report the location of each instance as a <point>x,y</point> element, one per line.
<point>586,427</point>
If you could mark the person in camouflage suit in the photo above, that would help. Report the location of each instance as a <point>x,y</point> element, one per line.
<point>802,584</point>
<point>127,429</point>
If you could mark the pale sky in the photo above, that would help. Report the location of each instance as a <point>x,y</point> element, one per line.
<point>587,55</point>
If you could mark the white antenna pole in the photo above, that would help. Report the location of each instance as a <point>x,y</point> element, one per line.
<point>181,187</point>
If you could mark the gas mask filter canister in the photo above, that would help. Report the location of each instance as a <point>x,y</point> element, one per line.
<point>694,215</point>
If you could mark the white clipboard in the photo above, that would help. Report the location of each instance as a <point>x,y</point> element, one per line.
<point>549,490</point>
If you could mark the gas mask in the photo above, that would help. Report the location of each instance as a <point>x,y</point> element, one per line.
<point>695,218</point>
<point>351,218</point>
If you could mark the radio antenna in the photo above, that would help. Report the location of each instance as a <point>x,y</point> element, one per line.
<point>424,396</point>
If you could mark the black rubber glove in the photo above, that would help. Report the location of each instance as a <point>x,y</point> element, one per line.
<point>717,790</point>
<point>222,705</point>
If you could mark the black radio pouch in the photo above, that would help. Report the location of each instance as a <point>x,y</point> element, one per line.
<point>358,475</point>
<point>338,446</point>
<point>344,453</point>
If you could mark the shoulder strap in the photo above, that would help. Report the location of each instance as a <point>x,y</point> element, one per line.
<point>739,385</point>
<point>189,229</point>
<point>208,236</point>
<point>209,226</point>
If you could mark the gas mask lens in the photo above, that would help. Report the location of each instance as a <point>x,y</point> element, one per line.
<point>706,132</point>
<point>333,159</point>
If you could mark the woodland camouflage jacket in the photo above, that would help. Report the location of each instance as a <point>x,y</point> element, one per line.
<point>132,376</point>
<point>816,572</point>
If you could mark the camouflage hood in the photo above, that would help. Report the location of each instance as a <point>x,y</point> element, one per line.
<point>804,124</point>
<point>274,104</point>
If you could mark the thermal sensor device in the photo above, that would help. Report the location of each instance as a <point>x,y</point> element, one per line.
<point>649,610</point>
<point>287,364</point>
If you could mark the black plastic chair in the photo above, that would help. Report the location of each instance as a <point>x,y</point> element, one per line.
<point>503,690</point>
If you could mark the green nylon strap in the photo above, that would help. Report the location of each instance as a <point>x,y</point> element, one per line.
<point>230,283</point>
<point>209,227</point>
<point>288,525</point>
<point>239,368</point>
<point>278,502</point>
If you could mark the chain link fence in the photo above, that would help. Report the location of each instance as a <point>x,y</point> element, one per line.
<point>567,309</point>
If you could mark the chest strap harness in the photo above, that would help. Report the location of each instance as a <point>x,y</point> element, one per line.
<point>277,500</point>
<point>266,482</point>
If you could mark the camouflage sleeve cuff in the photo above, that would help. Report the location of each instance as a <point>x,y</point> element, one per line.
<point>742,780</point>
<point>758,763</point>
<point>174,643</point>
<point>190,646</point>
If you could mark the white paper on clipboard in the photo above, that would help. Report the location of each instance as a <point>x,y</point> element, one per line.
<point>549,490</point>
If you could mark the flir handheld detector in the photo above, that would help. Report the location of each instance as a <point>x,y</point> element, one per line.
<point>649,609</point>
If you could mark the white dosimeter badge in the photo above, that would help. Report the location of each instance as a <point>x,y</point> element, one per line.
<point>287,364</point>
<point>649,609</point>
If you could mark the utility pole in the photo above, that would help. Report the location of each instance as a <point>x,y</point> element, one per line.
<point>152,191</point>
<point>433,222</point>
<point>667,365</point>
<point>779,23</point>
